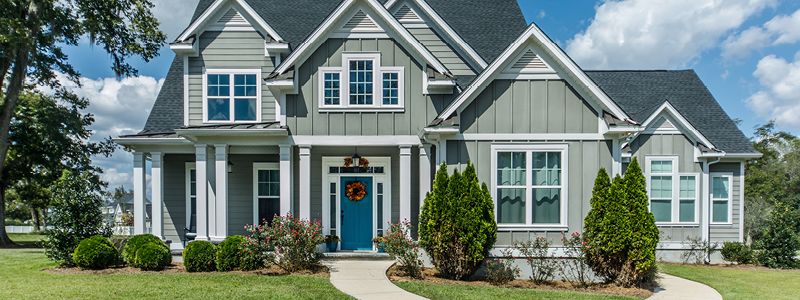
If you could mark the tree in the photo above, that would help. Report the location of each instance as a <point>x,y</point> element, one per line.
<point>780,242</point>
<point>33,34</point>
<point>641,264</point>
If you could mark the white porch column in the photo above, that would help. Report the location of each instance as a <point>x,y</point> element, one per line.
<point>157,184</point>
<point>405,182</point>
<point>286,179</point>
<point>424,173</point>
<point>221,194</point>
<point>202,192</point>
<point>305,182</point>
<point>704,209</point>
<point>616,156</point>
<point>139,182</point>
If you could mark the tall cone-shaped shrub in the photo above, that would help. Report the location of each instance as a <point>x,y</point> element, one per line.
<point>641,264</point>
<point>607,227</point>
<point>457,226</point>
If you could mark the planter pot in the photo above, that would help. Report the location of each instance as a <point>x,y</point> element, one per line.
<point>331,246</point>
<point>381,248</point>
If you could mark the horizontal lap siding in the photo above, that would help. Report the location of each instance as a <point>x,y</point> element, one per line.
<point>442,51</point>
<point>304,117</point>
<point>229,50</point>
<point>240,190</point>
<point>585,159</point>
<point>529,106</point>
<point>722,233</point>
<point>175,195</point>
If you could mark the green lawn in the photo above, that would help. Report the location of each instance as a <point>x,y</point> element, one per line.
<point>741,282</point>
<point>27,240</point>
<point>23,277</point>
<point>465,292</point>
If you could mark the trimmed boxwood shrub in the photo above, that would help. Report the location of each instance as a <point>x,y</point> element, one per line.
<point>229,253</point>
<point>136,242</point>
<point>737,252</point>
<point>199,256</point>
<point>153,257</point>
<point>96,253</point>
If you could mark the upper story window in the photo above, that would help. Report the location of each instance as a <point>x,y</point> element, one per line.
<point>232,96</point>
<point>673,195</point>
<point>361,83</point>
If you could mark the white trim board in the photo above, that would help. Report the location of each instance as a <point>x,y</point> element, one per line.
<point>667,108</point>
<point>218,5</point>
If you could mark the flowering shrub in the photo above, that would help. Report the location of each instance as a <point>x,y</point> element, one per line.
<point>255,247</point>
<point>535,253</point>
<point>500,271</point>
<point>576,269</point>
<point>294,242</point>
<point>401,247</point>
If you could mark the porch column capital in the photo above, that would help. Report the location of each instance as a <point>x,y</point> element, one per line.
<point>157,182</point>
<point>139,181</point>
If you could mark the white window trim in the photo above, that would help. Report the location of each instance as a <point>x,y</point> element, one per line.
<point>232,72</point>
<point>528,149</point>
<point>729,177</point>
<point>377,85</point>
<point>258,167</point>
<point>188,190</point>
<point>675,202</point>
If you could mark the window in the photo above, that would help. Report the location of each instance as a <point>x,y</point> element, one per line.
<point>529,185</point>
<point>721,198</point>
<point>673,196</point>
<point>232,96</point>
<point>361,83</point>
<point>191,198</point>
<point>267,202</point>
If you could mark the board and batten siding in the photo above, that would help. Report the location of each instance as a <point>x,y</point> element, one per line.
<point>305,118</point>
<point>585,158</point>
<point>722,233</point>
<point>229,50</point>
<point>529,106</point>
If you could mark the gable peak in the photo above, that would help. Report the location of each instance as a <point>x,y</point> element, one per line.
<point>360,22</point>
<point>406,14</point>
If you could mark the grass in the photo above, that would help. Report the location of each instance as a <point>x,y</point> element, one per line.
<point>465,292</point>
<point>24,276</point>
<point>741,282</point>
<point>27,240</point>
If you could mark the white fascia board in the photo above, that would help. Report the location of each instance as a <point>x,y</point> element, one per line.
<point>201,21</point>
<point>667,107</point>
<point>309,45</point>
<point>533,32</point>
<point>744,155</point>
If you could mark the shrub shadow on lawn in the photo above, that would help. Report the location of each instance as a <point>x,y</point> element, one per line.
<point>319,271</point>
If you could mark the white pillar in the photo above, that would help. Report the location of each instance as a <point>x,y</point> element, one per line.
<point>616,155</point>
<point>305,182</point>
<point>286,160</point>
<point>202,192</point>
<point>221,194</point>
<point>405,182</point>
<point>157,184</point>
<point>704,209</point>
<point>139,182</point>
<point>424,174</point>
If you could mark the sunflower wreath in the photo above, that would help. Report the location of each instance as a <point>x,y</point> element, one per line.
<point>355,191</point>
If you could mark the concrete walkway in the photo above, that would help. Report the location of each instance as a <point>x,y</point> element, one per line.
<point>365,279</point>
<point>677,288</point>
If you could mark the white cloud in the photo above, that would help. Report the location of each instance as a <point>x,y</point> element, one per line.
<point>657,33</point>
<point>782,29</point>
<point>174,16</point>
<point>779,97</point>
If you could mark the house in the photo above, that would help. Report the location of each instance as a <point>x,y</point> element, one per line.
<point>276,107</point>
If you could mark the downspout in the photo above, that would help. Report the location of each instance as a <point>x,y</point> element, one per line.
<point>706,230</point>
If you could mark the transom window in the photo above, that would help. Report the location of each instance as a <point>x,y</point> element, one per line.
<point>673,195</point>
<point>232,96</point>
<point>529,185</point>
<point>361,83</point>
<point>721,198</point>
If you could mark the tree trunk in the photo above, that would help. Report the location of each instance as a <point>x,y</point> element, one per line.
<point>5,241</point>
<point>37,223</point>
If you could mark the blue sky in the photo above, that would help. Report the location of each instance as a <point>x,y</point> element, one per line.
<point>746,51</point>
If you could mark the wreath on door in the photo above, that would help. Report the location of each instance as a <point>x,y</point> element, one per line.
<point>355,191</point>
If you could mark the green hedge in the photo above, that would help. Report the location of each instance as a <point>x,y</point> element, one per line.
<point>136,242</point>
<point>96,252</point>
<point>153,257</point>
<point>199,256</point>
<point>737,252</point>
<point>229,253</point>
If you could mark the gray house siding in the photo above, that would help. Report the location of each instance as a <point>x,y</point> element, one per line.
<point>529,106</point>
<point>303,115</point>
<point>229,50</point>
<point>174,216</point>
<point>442,51</point>
<point>721,233</point>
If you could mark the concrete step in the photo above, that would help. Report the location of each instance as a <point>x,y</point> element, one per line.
<point>355,255</point>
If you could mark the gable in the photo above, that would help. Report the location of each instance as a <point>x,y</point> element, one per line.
<point>406,15</point>
<point>228,15</point>
<point>360,22</point>
<point>528,63</point>
<point>232,18</point>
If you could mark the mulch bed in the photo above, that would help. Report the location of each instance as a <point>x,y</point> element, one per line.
<point>431,276</point>
<point>272,270</point>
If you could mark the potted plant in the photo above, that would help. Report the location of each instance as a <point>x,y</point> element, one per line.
<point>331,241</point>
<point>379,243</point>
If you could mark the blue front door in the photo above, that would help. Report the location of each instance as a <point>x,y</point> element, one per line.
<point>356,216</point>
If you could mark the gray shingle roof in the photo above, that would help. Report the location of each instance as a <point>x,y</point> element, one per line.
<point>167,112</point>
<point>640,93</point>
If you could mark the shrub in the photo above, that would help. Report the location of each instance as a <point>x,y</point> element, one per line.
<point>603,230</point>
<point>198,256</point>
<point>500,271</point>
<point>401,247</point>
<point>737,252</point>
<point>457,226</point>
<point>134,243</point>
<point>641,265</point>
<point>535,253</point>
<point>95,253</point>
<point>294,242</point>
<point>255,247</point>
<point>230,254</point>
<point>779,243</point>
<point>698,251</point>
<point>575,268</point>
<point>153,257</point>
<point>75,214</point>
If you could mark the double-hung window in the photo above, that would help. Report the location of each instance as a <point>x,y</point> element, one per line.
<point>361,83</point>
<point>721,198</point>
<point>266,192</point>
<point>529,185</point>
<point>232,96</point>
<point>673,195</point>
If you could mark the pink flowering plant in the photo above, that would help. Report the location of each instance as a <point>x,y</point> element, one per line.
<point>255,248</point>
<point>402,248</point>
<point>575,268</point>
<point>294,243</point>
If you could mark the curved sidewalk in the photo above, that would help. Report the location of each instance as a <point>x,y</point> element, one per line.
<point>365,279</point>
<point>677,288</point>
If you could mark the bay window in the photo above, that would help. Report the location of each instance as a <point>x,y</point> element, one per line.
<point>361,83</point>
<point>673,195</point>
<point>231,96</point>
<point>721,198</point>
